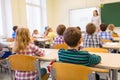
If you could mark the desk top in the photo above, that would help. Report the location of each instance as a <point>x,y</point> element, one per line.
<point>5,44</point>
<point>116,38</point>
<point>43,39</point>
<point>109,60</point>
<point>113,45</point>
<point>50,54</point>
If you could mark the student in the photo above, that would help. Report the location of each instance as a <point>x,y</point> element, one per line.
<point>4,51</point>
<point>103,34</point>
<point>50,34</point>
<point>59,38</point>
<point>14,31</point>
<point>35,34</point>
<point>96,20</point>
<point>72,37</point>
<point>91,39</point>
<point>24,46</point>
<point>111,29</point>
<point>78,28</point>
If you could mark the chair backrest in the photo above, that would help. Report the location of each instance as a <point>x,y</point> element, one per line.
<point>60,46</point>
<point>100,50</point>
<point>23,63</point>
<point>67,71</point>
<point>106,40</point>
<point>10,39</point>
<point>115,35</point>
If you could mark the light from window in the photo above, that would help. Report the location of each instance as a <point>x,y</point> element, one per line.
<point>36,15</point>
<point>1,25</point>
<point>36,2</point>
<point>33,18</point>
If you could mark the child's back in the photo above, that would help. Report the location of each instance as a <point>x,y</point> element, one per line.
<point>90,38</point>
<point>72,38</point>
<point>24,46</point>
<point>59,39</point>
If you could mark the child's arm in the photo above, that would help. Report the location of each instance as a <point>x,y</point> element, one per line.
<point>94,59</point>
<point>37,50</point>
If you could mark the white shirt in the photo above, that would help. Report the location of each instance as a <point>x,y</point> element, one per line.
<point>96,20</point>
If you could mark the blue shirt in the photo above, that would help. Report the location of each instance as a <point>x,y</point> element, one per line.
<point>105,35</point>
<point>14,35</point>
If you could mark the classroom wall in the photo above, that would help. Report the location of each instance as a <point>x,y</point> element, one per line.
<point>58,10</point>
<point>19,12</point>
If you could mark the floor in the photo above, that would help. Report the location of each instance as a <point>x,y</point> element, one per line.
<point>5,76</point>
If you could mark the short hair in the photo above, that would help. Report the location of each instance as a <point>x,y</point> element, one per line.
<point>60,29</point>
<point>78,27</point>
<point>103,27</point>
<point>72,36</point>
<point>14,28</point>
<point>111,25</point>
<point>90,28</point>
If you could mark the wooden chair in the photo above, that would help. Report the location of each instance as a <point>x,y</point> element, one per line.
<point>67,71</point>
<point>106,40</point>
<point>10,39</point>
<point>25,63</point>
<point>60,46</point>
<point>115,35</point>
<point>100,50</point>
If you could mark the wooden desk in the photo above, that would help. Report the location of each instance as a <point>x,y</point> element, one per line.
<point>50,54</point>
<point>109,61</point>
<point>4,44</point>
<point>43,40</point>
<point>116,39</point>
<point>111,45</point>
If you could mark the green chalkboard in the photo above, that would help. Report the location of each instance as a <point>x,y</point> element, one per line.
<point>110,13</point>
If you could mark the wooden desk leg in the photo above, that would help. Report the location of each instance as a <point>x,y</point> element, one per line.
<point>114,74</point>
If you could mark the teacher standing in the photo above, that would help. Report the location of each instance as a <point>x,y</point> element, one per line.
<point>96,20</point>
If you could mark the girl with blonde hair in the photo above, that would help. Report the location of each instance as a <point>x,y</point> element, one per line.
<point>23,45</point>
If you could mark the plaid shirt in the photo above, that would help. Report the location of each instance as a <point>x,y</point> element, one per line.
<point>105,35</point>
<point>31,50</point>
<point>58,40</point>
<point>92,40</point>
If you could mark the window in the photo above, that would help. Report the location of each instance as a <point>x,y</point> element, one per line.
<point>1,28</point>
<point>5,18</point>
<point>36,15</point>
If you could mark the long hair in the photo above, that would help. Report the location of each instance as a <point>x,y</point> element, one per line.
<point>48,30</point>
<point>22,39</point>
<point>96,12</point>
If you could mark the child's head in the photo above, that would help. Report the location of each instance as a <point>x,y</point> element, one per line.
<point>15,28</point>
<point>90,28</point>
<point>78,28</point>
<point>35,31</point>
<point>48,30</point>
<point>103,27</point>
<point>111,27</point>
<point>60,29</point>
<point>95,13</point>
<point>72,36</point>
<point>22,39</point>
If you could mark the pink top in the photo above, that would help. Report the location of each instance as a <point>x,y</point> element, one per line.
<point>32,50</point>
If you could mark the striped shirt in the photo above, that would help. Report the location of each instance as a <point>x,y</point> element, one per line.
<point>78,57</point>
<point>93,40</point>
